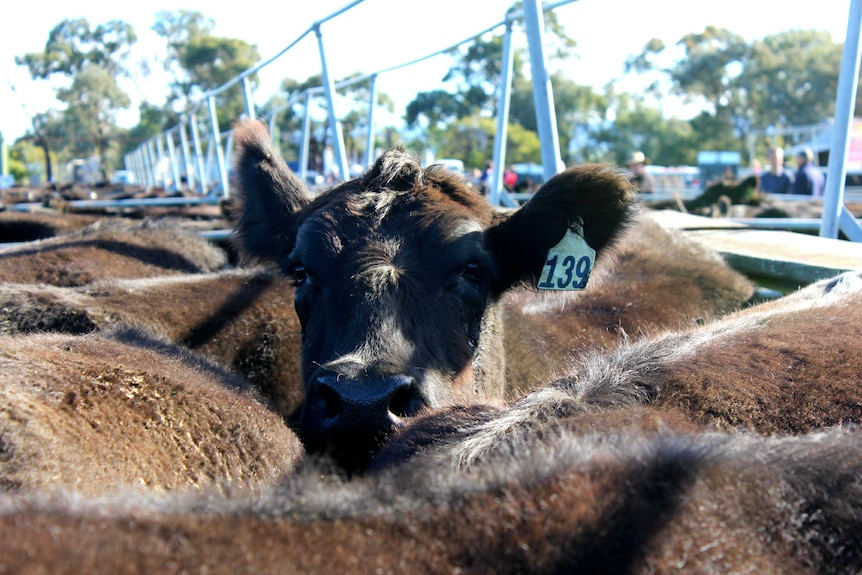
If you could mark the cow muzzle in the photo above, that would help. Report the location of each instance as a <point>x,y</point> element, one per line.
<point>351,418</point>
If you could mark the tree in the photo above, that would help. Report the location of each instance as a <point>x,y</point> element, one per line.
<point>153,120</point>
<point>476,73</point>
<point>72,45</point>
<point>90,116</point>
<point>576,107</point>
<point>791,78</point>
<point>94,59</point>
<point>201,62</point>
<point>786,79</point>
<point>477,66</point>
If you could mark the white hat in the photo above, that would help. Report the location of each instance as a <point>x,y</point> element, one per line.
<point>637,158</point>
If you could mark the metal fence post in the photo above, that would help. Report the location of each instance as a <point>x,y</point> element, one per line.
<point>372,104</point>
<point>219,153</point>
<point>543,94</point>
<point>151,157</point>
<point>329,91</point>
<point>160,150</point>
<point>306,137</point>
<point>839,148</point>
<point>495,182</point>
<point>248,95</point>
<point>187,159</point>
<point>199,156</point>
<point>175,165</point>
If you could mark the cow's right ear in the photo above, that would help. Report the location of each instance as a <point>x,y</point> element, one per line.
<point>595,201</point>
<point>268,197</point>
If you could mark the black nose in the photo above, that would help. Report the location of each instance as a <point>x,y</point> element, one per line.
<point>350,418</point>
<point>369,407</point>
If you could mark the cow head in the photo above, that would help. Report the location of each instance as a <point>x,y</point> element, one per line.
<point>397,274</point>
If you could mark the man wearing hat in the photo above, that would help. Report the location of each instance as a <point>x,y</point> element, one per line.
<point>642,179</point>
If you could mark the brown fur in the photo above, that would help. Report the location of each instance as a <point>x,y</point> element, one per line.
<point>633,503</point>
<point>110,249</point>
<point>398,276</point>
<point>787,366</point>
<point>658,280</point>
<point>247,321</point>
<point>244,319</point>
<point>29,226</point>
<point>95,413</point>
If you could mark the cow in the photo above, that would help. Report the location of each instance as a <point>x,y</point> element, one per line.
<point>247,321</point>
<point>241,318</point>
<point>658,280</point>
<point>629,501</point>
<point>786,366</point>
<point>399,274</point>
<point>122,410</point>
<point>717,198</point>
<point>30,226</point>
<point>111,249</point>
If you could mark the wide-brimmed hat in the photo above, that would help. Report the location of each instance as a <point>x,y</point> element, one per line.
<point>638,158</point>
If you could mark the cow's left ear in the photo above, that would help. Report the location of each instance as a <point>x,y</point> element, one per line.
<point>594,201</point>
<point>268,198</point>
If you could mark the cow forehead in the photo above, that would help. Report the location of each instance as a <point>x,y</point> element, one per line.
<point>385,222</point>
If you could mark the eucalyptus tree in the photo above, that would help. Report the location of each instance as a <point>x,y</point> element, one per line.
<point>785,79</point>
<point>93,58</point>
<point>199,62</point>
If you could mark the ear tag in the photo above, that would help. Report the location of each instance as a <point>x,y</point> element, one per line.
<point>569,263</point>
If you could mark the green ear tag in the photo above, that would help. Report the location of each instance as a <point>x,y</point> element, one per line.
<point>569,262</point>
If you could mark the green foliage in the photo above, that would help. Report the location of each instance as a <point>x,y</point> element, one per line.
<point>93,59</point>
<point>574,105</point>
<point>785,79</point>
<point>72,45</point>
<point>201,62</point>
<point>476,71</point>
<point>471,140</point>
<point>439,107</point>
<point>92,102</point>
<point>791,78</point>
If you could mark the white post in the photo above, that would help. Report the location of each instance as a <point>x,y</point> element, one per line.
<point>845,102</point>
<point>495,180</point>
<point>543,94</point>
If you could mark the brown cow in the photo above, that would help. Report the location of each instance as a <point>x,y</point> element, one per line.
<point>30,226</point>
<point>246,320</point>
<point>243,319</point>
<point>111,249</point>
<point>659,280</point>
<point>399,274</point>
<point>97,413</point>
<point>630,502</point>
<point>787,366</point>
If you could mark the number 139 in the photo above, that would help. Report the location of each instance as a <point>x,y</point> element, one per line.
<point>573,273</point>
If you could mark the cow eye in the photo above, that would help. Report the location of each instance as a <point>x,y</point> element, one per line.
<point>299,274</point>
<point>472,273</point>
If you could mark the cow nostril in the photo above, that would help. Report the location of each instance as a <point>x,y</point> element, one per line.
<point>331,402</point>
<point>405,402</point>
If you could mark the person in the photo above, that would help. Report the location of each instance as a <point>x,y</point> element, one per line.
<point>809,178</point>
<point>777,180</point>
<point>643,180</point>
<point>485,178</point>
<point>510,177</point>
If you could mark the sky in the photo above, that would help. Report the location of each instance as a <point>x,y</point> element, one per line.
<point>378,34</point>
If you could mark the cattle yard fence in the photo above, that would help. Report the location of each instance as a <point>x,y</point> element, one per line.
<point>196,155</point>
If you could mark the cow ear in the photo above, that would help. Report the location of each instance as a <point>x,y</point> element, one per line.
<point>268,198</point>
<point>599,196</point>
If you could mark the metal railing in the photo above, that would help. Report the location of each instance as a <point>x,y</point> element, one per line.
<point>182,154</point>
